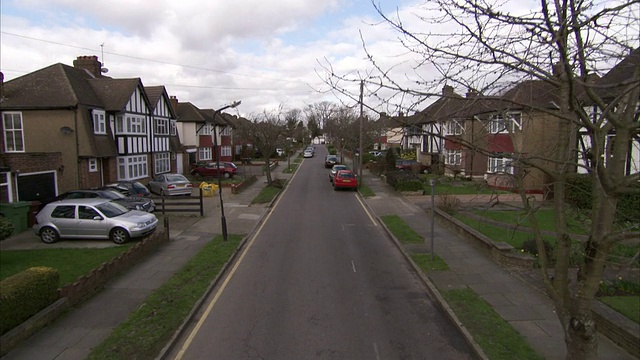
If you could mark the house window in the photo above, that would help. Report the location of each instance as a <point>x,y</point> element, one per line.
<point>162,126</point>
<point>454,127</point>
<point>204,153</point>
<point>174,129</point>
<point>93,165</point>
<point>225,151</point>
<point>13,135</point>
<point>498,124</point>
<point>204,130</point>
<point>226,131</point>
<point>500,165</point>
<point>161,163</point>
<point>453,157</point>
<point>99,123</point>
<point>132,167</point>
<point>130,124</point>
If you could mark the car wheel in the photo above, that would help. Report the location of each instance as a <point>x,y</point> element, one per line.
<point>161,192</point>
<point>335,188</point>
<point>49,235</point>
<point>226,175</point>
<point>119,235</point>
<point>197,174</point>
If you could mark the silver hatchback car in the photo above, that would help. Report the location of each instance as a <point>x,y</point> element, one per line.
<point>92,219</point>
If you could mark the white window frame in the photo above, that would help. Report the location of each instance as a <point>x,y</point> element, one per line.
<point>162,126</point>
<point>93,165</point>
<point>204,130</point>
<point>131,124</point>
<point>173,128</point>
<point>161,163</point>
<point>453,157</point>
<point>497,164</point>
<point>99,122</point>
<point>226,131</point>
<point>204,153</point>
<point>499,125</point>
<point>225,151</point>
<point>454,127</point>
<point>16,134</point>
<point>132,167</point>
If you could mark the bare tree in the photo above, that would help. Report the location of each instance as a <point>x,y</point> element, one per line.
<point>267,131</point>
<point>487,47</point>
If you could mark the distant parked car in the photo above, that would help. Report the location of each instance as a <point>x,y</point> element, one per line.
<point>170,184</point>
<point>345,179</point>
<point>335,169</point>
<point>330,160</point>
<point>227,169</point>
<point>280,152</point>
<point>308,153</point>
<point>409,165</point>
<point>92,219</point>
<point>130,188</point>
<point>130,202</point>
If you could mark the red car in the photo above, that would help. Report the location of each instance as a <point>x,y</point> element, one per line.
<point>411,165</point>
<point>345,179</point>
<point>227,169</point>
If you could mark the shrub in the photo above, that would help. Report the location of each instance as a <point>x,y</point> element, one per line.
<point>448,203</point>
<point>395,177</point>
<point>579,195</point>
<point>409,185</point>
<point>6,228</point>
<point>529,246</point>
<point>25,293</point>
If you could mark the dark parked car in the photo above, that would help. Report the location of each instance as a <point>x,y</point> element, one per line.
<point>130,188</point>
<point>410,165</point>
<point>227,169</point>
<point>330,160</point>
<point>130,202</point>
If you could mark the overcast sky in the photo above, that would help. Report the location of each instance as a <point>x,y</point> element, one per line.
<point>207,52</point>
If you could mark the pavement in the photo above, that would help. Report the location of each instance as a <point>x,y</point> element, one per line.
<point>73,336</point>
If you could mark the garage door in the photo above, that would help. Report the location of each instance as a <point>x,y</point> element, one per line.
<point>37,186</point>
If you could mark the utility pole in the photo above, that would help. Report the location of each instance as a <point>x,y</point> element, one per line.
<point>360,154</point>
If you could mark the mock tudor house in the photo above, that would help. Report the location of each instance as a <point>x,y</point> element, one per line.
<point>69,127</point>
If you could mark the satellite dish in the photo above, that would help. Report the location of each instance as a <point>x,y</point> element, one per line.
<point>104,70</point>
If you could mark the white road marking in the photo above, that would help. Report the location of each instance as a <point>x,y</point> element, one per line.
<point>353,266</point>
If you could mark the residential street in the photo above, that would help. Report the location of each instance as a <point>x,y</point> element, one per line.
<point>320,280</point>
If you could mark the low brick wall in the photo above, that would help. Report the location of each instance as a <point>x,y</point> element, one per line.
<point>618,328</point>
<point>237,188</point>
<point>501,252</point>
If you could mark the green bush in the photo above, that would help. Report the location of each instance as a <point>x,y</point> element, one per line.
<point>6,228</point>
<point>25,293</point>
<point>409,185</point>
<point>578,194</point>
<point>404,181</point>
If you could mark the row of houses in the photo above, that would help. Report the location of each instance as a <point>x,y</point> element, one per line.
<point>484,137</point>
<point>69,127</point>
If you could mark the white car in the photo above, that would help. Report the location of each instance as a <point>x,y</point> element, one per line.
<point>308,153</point>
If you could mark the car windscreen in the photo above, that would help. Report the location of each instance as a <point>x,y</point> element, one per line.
<point>111,209</point>
<point>347,175</point>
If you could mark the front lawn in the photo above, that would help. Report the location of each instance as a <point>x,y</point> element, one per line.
<point>545,217</point>
<point>70,263</point>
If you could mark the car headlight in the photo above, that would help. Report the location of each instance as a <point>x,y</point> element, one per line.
<point>141,224</point>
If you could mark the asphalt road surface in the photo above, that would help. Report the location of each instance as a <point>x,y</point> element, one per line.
<point>320,280</point>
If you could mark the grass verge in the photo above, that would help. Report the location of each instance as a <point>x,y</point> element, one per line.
<point>70,263</point>
<point>425,262</point>
<point>267,194</point>
<point>366,190</point>
<point>291,168</point>
<point>149,329</point>
<point>495,336</point>
<point>399,228</point>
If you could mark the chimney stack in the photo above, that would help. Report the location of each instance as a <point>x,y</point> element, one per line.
<point>471,94</point>
<point>447,90</point>
<point>90,64</point>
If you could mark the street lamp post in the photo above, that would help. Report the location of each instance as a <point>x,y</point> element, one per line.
<point>223,220</point>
